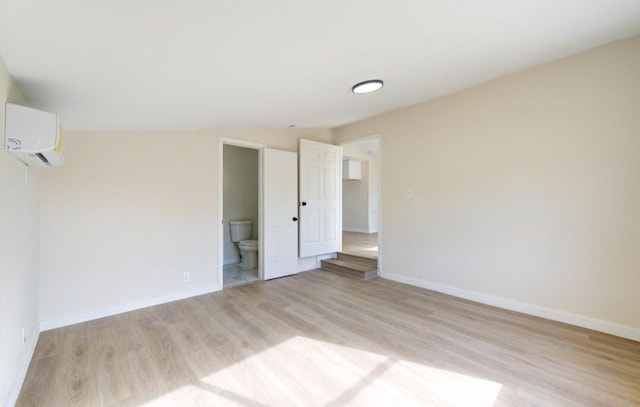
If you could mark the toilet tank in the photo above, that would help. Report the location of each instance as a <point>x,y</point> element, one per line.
<point>240,230</point>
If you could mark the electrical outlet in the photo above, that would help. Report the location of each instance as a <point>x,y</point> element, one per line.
<point>24,336</point>
<point>186,277</point>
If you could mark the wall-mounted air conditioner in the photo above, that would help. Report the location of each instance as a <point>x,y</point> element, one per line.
<point>33,136</point>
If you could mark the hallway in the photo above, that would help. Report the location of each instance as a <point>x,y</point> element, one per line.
<point>360,244</point>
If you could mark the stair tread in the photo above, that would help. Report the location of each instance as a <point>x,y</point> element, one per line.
<point>352,266</point>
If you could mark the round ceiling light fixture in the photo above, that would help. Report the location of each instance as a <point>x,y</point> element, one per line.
<point>367,86</point>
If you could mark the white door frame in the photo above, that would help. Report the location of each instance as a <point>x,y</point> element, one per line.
<point>378,138</point>
<point>246,144</point>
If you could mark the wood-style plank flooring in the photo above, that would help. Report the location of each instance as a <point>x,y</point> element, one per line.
<point>360,244</point>
<point>320,339</point>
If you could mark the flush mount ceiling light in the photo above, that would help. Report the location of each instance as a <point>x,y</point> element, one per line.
<point>367,86</point>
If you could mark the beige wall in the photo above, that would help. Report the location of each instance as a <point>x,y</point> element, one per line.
<point>129,212</point>
<point>19,257</point>
<point>526,190</point>
<point>240,194</point>
<point>276,138</point>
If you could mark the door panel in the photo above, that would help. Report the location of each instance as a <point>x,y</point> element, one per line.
<point>330,225</point>
<point>320,198</point>
<point>280,209</point>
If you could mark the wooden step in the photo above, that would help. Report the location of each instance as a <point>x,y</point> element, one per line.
<point>352,258</point>
<point>355,270</point>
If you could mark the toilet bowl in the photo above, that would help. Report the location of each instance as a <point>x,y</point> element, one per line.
<point>241,234</point>
<point>248,254</point>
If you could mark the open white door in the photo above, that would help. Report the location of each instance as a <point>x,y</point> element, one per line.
<point>320,198</point>
<point>280,206</point>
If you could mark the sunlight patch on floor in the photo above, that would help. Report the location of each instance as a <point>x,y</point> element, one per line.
<point>305,371</point>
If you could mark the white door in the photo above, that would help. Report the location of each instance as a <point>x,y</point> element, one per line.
<point>320,198</point>
<point>280,206</point>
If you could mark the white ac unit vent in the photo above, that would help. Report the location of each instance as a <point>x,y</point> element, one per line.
<point>33,136</point>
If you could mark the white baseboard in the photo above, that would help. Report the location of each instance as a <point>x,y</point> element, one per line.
<point>106,312</point>
<point>32,340</point>
<point>555,315</point>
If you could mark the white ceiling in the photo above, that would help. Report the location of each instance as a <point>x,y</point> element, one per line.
<point>187,64</point>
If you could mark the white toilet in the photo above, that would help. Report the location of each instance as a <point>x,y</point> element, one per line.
<point>241,234</point>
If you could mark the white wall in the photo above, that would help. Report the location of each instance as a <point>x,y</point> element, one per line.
<point>129,212</point>
<point>355,202</point>
<point>240,194</point>
<point>526,190</point>
<point>19,258</point>
<point>124,217</point>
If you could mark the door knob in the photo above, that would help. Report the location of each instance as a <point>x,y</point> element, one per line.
<point>304,203</point>
<point>295,219</point>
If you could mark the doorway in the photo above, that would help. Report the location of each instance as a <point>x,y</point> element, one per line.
<point>361,197</point>
<point>259,185</point>
<point>240,202</point>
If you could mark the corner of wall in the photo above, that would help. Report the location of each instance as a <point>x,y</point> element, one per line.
<point>19,251</point>
<point>23,367</point>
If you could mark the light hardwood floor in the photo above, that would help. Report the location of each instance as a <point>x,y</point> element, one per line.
<point>320,339</point>
<point>360,244</point>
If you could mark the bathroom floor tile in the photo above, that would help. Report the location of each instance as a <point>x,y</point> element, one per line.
<point>233,275</point>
